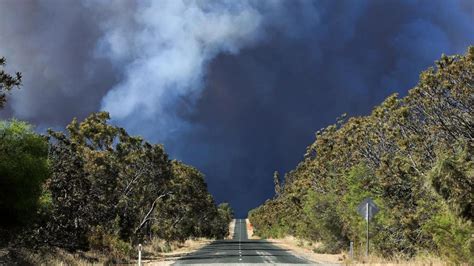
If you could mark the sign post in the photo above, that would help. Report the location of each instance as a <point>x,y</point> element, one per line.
<point>140,255</point>
<point>367,209</point>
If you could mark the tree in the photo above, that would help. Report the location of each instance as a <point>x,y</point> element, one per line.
<point>102,177</point>
<point>276,182</point>
<point>23,169</point>
<point>190,209</point>
<point>413,155</point>
<point>226,211</point>
<point>109,190</point>
<point>7,82</point>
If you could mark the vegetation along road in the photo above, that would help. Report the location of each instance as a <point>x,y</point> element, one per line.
<point>241,250</point>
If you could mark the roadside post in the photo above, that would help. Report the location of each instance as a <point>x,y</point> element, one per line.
<point>140,255</point>
<point>351,250</point>
<point>367,209</point>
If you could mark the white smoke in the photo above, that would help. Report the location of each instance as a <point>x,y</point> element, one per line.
<point>167,52</point>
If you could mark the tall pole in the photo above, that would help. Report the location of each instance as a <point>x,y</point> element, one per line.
<point>367,217</point>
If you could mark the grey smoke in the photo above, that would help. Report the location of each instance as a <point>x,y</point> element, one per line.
<point>234,87</point>
<point>168,53</point>
<point>52,43</point>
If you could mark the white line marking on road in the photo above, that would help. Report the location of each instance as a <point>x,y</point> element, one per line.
<point>240,239</point>
<point>267,257</point>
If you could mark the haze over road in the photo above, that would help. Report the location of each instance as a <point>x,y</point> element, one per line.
<point>241,250</point>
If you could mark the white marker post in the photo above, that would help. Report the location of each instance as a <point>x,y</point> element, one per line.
<point>367,217</point>
<point>140,255</point>
<point>351,249</point>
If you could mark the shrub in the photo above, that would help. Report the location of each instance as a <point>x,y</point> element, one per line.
<point>453,236</point>
<point>23,170</point>
<point>100,240</point>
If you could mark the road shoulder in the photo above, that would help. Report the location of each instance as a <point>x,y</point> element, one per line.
<point>189,247</point>
<point>293,246</point>
<point>168,258</point>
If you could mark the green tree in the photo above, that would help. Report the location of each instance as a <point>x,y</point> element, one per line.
<point>276,183</point>
<point>109,190</point>
<point>102,177</point>
<point>23,170</point>
<point>190,210</point>
<point>413,155</point>
<point>226,211</point>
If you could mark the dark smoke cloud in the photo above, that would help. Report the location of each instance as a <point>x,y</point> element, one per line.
<point>260,109</point>
<point>53,44</point>
<point>236,88</point>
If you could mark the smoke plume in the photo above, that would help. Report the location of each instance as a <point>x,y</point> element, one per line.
<point>236,88</point>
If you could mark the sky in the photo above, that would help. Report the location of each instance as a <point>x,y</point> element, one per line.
<point>235,88</point>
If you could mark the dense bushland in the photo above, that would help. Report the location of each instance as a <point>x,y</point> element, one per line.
<point>94,186</point>
<point>412,155</point>
<point>23,169</point>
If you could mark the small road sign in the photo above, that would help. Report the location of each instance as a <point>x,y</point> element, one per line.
<point>367,209</point>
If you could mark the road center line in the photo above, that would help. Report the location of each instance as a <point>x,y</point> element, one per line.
<point>240,239</point>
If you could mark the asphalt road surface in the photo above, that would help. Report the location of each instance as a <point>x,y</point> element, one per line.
<point>241,250</point>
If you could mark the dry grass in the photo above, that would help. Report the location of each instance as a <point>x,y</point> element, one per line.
<point>49,256</point>
<point>399,261</point>
<point>302,248</point>
<point>158,252</point>
<point>305,249</point>
<point>250,234</point>
<point>231,229</point>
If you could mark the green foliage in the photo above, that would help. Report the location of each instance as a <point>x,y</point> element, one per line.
<point>100,240</point>
<point>189,211</point>
<point>453,179</point>
<point>220,223</point>
<point>413,156</point>
<point>110,190</point>
<point>106,190</point>
<point>23,169</point>
<point>452,236</point>
<point>226,212</point>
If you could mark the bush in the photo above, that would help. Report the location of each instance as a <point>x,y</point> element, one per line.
<point>100,240</point>
<point>23,170</point>
<point>160,245</point>
<point>453,237</point>
<point>414,156</point>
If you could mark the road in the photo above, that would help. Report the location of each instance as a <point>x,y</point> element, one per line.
<point>241,250</point>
